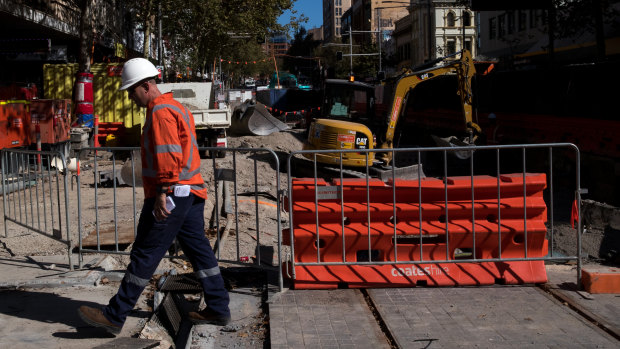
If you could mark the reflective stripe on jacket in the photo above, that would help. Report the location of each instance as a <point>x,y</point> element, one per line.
<point>169,148</point>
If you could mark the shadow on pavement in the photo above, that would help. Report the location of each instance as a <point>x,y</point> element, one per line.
<point>50,308</point>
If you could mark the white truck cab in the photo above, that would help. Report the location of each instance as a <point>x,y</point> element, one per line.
<point>211,118</point>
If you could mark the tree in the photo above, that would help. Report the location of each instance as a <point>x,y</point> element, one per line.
<point>200,31</point>
<point>574,18</point>
<point>86,34</point>
<point>300,59</point>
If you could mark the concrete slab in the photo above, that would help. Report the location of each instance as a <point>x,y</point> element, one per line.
<point>47,317</point>
<point>323,319</point>
<point>50,271</point>
<point>484,317</point>
<point>40,295</point>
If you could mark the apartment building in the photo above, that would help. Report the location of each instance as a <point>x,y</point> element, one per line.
<point>332,18</point>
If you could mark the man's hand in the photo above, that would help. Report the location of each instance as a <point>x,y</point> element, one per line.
<point>159,209</point>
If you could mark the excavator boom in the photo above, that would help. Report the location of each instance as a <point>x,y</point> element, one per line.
<point>464,69</point>
<point>350,121</point>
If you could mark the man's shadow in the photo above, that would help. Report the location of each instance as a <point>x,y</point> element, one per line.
<point>51,308</point>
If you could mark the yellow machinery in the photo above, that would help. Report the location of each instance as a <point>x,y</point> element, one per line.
<point>352,121</point>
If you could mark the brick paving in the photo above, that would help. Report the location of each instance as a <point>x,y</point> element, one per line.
<point>484,317</point>
<point>323,319</point>
<point>464,317</point>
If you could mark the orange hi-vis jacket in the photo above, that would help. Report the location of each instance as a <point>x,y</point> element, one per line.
<point>169,149</point>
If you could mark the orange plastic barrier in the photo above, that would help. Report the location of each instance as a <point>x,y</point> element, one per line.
<point>15,124</point>
<point>362,225</point>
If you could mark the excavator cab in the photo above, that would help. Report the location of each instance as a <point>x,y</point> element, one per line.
<point>347,117</point>
<point>345,100</point>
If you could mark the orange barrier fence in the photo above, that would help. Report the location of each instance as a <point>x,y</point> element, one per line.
<point>473,238</point>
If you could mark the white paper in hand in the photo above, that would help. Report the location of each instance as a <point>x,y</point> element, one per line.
<point>170,204</point>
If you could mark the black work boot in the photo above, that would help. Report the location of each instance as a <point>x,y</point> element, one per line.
<point>207,316</point>
<point>95,318</point>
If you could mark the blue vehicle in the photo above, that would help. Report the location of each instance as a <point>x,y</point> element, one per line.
<point>287,80</point>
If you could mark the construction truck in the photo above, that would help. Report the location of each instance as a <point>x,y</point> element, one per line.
<point>352,116</point>
<point>211,117</point>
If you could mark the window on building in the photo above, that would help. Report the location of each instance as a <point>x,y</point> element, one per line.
<point>510,22</point>
<point>501,26</point>
<point>533,17</point>
<point>450,46</point>
<point>466,19</point>
<point>337,31</point>
<point>492,28</point>
<point>450,19</point>
<point>522,24</point>
<point>338,11</point>
<point>468,44</point>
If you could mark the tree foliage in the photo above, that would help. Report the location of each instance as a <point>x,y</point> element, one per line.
<point>200,31</point>
<point>300,59</point>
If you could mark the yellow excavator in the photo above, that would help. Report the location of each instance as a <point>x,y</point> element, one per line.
<point>351,118</point>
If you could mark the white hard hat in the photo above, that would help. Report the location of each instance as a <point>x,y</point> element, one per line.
<point>136,70</point>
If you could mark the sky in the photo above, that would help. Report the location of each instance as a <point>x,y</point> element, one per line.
<point>313,9</point>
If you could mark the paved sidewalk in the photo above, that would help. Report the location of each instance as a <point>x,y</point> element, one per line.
<point>39,298</point>
<point>323,319</point>
<point>484,317</point>
<point>464,317</point>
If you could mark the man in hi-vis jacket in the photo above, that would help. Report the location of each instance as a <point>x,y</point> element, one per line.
<point>175,194</point>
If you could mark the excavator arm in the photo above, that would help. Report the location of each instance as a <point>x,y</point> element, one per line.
<point>464,69</point>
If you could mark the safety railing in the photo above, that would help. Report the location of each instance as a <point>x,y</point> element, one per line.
<point>35,194</point>
<point>243,204</point>
<point>485,216</point>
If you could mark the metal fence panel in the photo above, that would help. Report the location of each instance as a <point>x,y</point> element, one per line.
<point>35,194</point>
<point>243,204</point>
<point>562,187</point>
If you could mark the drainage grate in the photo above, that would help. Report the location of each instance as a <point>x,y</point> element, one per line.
<point>185,283</point>
<point>170,314</point>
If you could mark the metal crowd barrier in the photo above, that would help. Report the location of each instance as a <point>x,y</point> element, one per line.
<point>107,223</point>
<point>323,266</point>
<point>35,194</point>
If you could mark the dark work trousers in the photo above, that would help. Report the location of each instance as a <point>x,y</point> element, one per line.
<point>186,223</point>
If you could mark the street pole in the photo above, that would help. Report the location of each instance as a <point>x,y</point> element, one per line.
<point>463,29</point>
<point>429,30</point>
<point>350,52</point>
<point>380,38</point>
<point>159,40</point>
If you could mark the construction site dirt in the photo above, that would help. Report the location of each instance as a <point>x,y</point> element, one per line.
<point>246,233</point>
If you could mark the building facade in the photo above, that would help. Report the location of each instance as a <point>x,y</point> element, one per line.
<point>332,18</point>
<point>504,33</point>
<point>372,17</point>
<point>276,44</point>
<point>440,28</point>
<point>317,33</point>
<point>402,38</point>
<point>521,37</point>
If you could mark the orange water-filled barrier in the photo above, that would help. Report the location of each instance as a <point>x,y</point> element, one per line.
<point>353,230</point>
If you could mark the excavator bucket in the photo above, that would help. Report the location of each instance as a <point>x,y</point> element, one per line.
<point>454,142</point>
<point>254,119</point>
